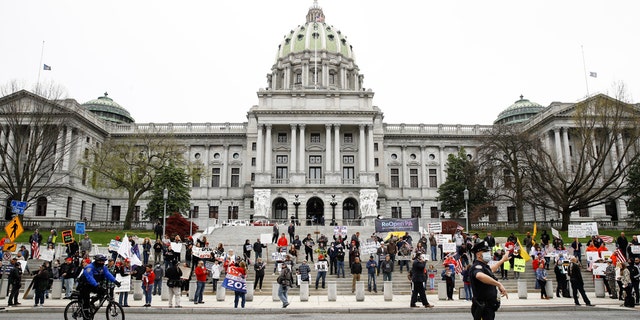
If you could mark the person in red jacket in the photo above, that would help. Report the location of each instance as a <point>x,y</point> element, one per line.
<point>239,294</point>
<point>282,241</point>
<point>147,284</point>
<point>201,277</point>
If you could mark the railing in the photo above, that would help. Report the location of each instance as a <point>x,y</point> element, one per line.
<point>180,127</point>
<point>350,181</point>
<point>457,129</point>
<point>279,181</point>
<point>315,181</point>
<point>89,225</point>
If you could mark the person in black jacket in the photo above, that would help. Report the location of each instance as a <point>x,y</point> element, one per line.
<point>561,280</point>
<point>356,271</point>
<point>418,278</point>
<point>15,281</point>
<point>577,284</point>
<point>257,248</point>
<point>174,282</point>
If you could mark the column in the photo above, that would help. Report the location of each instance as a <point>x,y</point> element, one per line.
<point>225,166</point>
<point>4,145</point>
<point>302,163</point>
<point>294,131</point>
<point>614,153</point>
<point>79,146</point>
<point>305,73</point>
<point>556,134</point>
<point>621,150</point>
<point>259,149</point>
<point>336,149</point>
<point>423,167</point>
<point>361,149</point>
<point>370,151</point>
<point>67,154</point>
<point>566,155</point>
<point>443,162</point>
<point>268,149</point>
<point>328,147</point>
<point>405,167</point>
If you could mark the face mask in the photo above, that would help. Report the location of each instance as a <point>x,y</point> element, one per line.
<point>486,256</point>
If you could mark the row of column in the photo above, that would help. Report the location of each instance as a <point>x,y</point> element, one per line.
<point>563,152</point>
<point>323,78</point>
<point>298,155</point>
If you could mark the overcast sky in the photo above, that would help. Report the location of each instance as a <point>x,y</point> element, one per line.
<point>450,62</point>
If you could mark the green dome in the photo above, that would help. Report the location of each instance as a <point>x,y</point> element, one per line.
<point>315,35</point>
<point>109,110</point>
<point>519,111</point>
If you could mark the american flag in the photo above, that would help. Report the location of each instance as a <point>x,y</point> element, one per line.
<point>606,239</point>
<point>35,250</point>
<point>460,227</point>
<point>619,256</point>
<point>458,266</point>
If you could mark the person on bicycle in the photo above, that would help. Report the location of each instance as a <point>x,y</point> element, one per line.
<point>92,275</point>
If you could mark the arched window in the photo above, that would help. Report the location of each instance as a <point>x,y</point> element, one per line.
<point>41,207</point>
<point>349,209</point>
<point>280,209</point>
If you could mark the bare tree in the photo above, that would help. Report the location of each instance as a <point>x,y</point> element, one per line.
<point>32,142</point>
<point>604,137</point>
<point>502,159</point>
<point>131,164</point>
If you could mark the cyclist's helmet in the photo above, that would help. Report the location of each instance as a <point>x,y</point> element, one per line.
<point>100,258</point>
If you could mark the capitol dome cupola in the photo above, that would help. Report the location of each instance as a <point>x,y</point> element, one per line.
<point>108,110</point>
<point>519,111</point>
<point>315,56</point>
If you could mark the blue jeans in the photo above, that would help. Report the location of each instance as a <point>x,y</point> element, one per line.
<point>434,253</point>
<point>467,292</point>
<point>432,283</point>
<point>68,286</point>
<point>386,276</point>
<point>282,294</point>
<point>340,267</point>
<point>372,280</point>
<point>239,295</point>
<point>39,297</point>
<point>199,291</point>
<point>123,299</point>
<point>321,275</point>
<point>147,293</point>
<point>157,287</point>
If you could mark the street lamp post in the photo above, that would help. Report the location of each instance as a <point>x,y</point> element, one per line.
<point>466,207</point>
<point>191,209</point>
<point>165,196</point>
<point>333,204</point>
<point>296,203</point>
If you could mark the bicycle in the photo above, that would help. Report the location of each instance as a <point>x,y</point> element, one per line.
<point>74,311</point>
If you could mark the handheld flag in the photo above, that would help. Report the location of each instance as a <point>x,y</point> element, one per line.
<point>125,252</point>
<point>523,252</point>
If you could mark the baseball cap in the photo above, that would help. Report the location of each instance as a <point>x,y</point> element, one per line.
<point>482,246</point>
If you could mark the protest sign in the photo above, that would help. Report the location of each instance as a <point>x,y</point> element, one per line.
<point>555,233</point>
<point>576,231</point>
<point>592,256</point>
<point>202,253</point>
<point>125,283</point>
<point>518,265</point>
<point>114,245</point>
<point>177,247</point>
<point>635,249</point>
<point>340,231</point>
<point>590,228</point>
<point>443,238</point>
<point>448,247</point>
<point>47,254</point>
<point>435,227</point>
<point>598,269</point>
<point>265,238</point>
<point>368,247</point>
<point>67,236</point>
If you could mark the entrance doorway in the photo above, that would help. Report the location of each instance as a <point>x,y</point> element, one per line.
<point>315,211</point>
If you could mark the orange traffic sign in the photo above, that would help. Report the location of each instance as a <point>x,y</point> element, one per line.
<point>10,247</point>
<point>14,228</point>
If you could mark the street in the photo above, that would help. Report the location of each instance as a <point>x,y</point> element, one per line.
<point>604,313</point>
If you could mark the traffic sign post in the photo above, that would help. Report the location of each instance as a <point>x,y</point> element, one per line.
<point>18,207</point>
<point>14,228</point>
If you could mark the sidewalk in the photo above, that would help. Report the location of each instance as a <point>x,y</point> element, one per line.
<point>320,304</point>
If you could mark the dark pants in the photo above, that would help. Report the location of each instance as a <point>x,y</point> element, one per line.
<point>258,282</point>
<point>628,301</point>
<point>332,265</point>
<point>579,287</point>
<point>418,291</point>
<point>636,288</point>
<point>482,313</point>
<point>543,289</point>
<point>13,296</point>
<point>562,289</point>
<point>308,253</point>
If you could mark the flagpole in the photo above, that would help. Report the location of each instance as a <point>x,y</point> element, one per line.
<point>584,67</point>
<point>40,67</point>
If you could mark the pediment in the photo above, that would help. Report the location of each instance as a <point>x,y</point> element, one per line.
<point>315,148</point>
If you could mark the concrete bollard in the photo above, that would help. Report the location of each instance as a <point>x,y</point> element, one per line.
<point>599,287</point>
<point>304,291</point>
<point>360,291</point>
<point>442,290</point>
<point>249,295</point>
<point>522,289</point>
<point>165,292</point>
<point>274,291</point>
<point>4,286</point>
<point>137,289</point>
<point>462,295</point>
<point>549,288</point>
<point>332,291</point>
<point>221,292</point>
<point>192,289</point>
<point>56,289</point>
<point>388,291</point>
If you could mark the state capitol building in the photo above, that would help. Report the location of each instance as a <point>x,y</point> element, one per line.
<point>314,147</point>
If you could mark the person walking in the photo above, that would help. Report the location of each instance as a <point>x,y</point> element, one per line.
<point>577,284</point>
<point>356,271</point>
<point>418,279</point>
<point>285,280</point>
<point>201,277</point>
<point>308,247</point>
<point>258,267</point>
<point>372,266</point>
<point>247,247</point>
<point>291,230</point>
<point>541,278</point>
<point>485,301</point>
<point>173,274</point>
<point>276,232</point>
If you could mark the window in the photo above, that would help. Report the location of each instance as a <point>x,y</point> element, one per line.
<point>332,76</point>
<point>493,214</point>
<point>282,174</point>
<point>507,179</point>
<point>216,156</point>
<point>315,159</point>
<point>348,138</point>
<point>253,177</point>
<point>115,213</point>
<point>235,177</point>
<point>213,212</point>
<point>93,211</point>
<point>314,138</point>
<point>377,177</point>
<point>434,213</point>
<point>236,155</point>
<point>68,209</point>
<point>254,146</point>
<point>395,178</point>
<point>281,210</point>
<point>416,212</point>
<point>375,146</point>
<point>432,156</point>
<point>584,212</point>
<point>82,205</point>
<point>315,174</point>
<point>41,207</point>
<point>511,214</point>
<point>396,212</point>
<point>433,178</point>
<point>394,156</point>
<point>488,181</point>
<point>348,175</point>
<point>253,162</point>
<point>84,176</point>
<point>298,78</point>
<point>349,210</point>
<point>375,162</point>
<point>347,159</point>
<point>215,177</point>
<point>136,213</point>
<point>196,181</point>
<point>282,137</point>
<point>233,213</point>
<point>195,211</point>
<point>282,159</point>
<point>412,156</point>
<point>413,178</point>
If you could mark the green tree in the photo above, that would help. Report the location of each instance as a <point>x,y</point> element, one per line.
<point>131,164</point>
<point>176,181</point>
<point>461,173</point>
<point>633,192</point>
